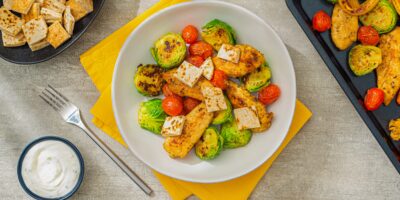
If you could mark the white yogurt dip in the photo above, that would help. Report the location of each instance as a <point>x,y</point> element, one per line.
<point>50,169</point>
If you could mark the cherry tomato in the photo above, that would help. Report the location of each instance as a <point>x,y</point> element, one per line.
<point>190,34</point>
<point>172,105</point>
<point>219,79</point>
<point>202,49</point>
<point>367,35</point>
<point>373,99</point>
<point>269,94</point>
<point>195,60</point>
<point>189,104</point>
<point>321,21</point>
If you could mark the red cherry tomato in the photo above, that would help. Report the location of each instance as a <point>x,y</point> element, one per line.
<point>219,79</point>
<point>367,35</point>
<point>202,49</point>
<point>321,21</point>
<point>374,99</point>
<point>269,94</point>
<point>189,104</point>
<point>195,60</point>
<point>190,34</point>
<point>172,105</point>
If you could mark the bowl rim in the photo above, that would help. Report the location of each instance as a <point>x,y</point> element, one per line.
<point>292,76</point>
<point>54,138</point>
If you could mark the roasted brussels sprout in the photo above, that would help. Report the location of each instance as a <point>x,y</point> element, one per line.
<point>233,137</point>
<point>169,51</point>
<point>217,32</point>
<point>364,59</point>
<point>210,144</point>
<point>223,116</point>
<point>383,17</point>
<point>258,79</point>
<point>148,80</point>
<point>151,116</point>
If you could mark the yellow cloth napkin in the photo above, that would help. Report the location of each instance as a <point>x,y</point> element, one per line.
<point>99,63</point>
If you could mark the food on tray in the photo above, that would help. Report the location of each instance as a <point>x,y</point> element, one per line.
<point>383,17</point>
<point>344,28</point>
<point>353,7</point>
<point>364,59</point>
<point>332,1</point>
<point>321,21</point>
<point>217,33</point>
<point>394,128</point>
<point>42,23</point>
<point>396,4</point>
<point>210,144</point>
<point>374,99</point>
<point>367,35</point>
<point>204,107</point>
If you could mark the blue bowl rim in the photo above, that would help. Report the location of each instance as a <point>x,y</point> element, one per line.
<point>45,138</point>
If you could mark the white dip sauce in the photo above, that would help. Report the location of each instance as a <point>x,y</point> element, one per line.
<point>50,169</point>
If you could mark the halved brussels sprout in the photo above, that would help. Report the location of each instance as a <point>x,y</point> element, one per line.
<point>148,80</point>
<point>169,51</point>
<point>383,17</point>
<point>217,33</point>
<point>151,116</point>
<point>210,144</point>
<point>258,79</point>
<point>223,116</point>
<point>233,137</point>
<point>364,59</point>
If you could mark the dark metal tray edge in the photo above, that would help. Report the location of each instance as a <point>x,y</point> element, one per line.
<point>342,82</point>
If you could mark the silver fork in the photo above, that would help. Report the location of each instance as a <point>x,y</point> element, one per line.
<point>71,114</point>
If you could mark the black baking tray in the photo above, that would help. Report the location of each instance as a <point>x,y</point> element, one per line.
<point>354,87</point>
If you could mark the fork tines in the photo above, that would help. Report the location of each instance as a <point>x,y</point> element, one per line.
<point>54,98</point>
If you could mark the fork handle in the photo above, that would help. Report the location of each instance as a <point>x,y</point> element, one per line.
<point>121,164</point>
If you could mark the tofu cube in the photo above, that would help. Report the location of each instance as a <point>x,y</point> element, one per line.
<point>50,16</point>
<point>213,98</point>
<point>229,52</point>
<point>13,41</point>
<point>68,21</point>
<point>40,2</point>
<point>8,4</point>
<point>246,118</point>
<point>35,30</point>
<point>208,68</point>
<point>54,5</point>
<point>188,74</point>
<point>33,13</point>
<point>39,45</point>
<point>10,23</point>
<point>80,8</point>
<point>57,35</point>
<point>173,126</point>
<point>21,6</point>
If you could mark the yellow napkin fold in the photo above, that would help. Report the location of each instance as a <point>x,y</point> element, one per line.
<point>99,63</point>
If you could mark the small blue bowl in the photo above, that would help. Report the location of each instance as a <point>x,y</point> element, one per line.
<point>41,139</point>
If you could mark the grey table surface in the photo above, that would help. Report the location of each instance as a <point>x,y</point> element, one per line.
<point>333,157</point>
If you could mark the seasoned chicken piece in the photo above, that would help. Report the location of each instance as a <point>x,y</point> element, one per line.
<point>250,59</point>
<point>196,123</point>
<point>344,28</point>
<point>388,72</point>
<point>182,89</point>
<point>240,98</point>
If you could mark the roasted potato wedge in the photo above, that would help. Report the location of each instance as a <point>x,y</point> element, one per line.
<point>344,28</point>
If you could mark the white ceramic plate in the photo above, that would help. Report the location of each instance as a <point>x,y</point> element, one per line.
<point>231,163</point>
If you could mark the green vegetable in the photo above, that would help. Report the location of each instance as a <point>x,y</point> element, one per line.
<point>332,1</point>
<point>148,80</point>
<point>383,17</point>
<point>169,51</point>
<point>223,116</point>
<point>217,32</point>
<point>258,79</point>
<point>233,137</point>
<point>364,59</point>
<point>152,116</point>
<point>210,144</point>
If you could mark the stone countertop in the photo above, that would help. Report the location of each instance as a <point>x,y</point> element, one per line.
<point>333,157</point>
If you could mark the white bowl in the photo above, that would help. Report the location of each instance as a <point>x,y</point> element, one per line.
<point>231,163</point>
